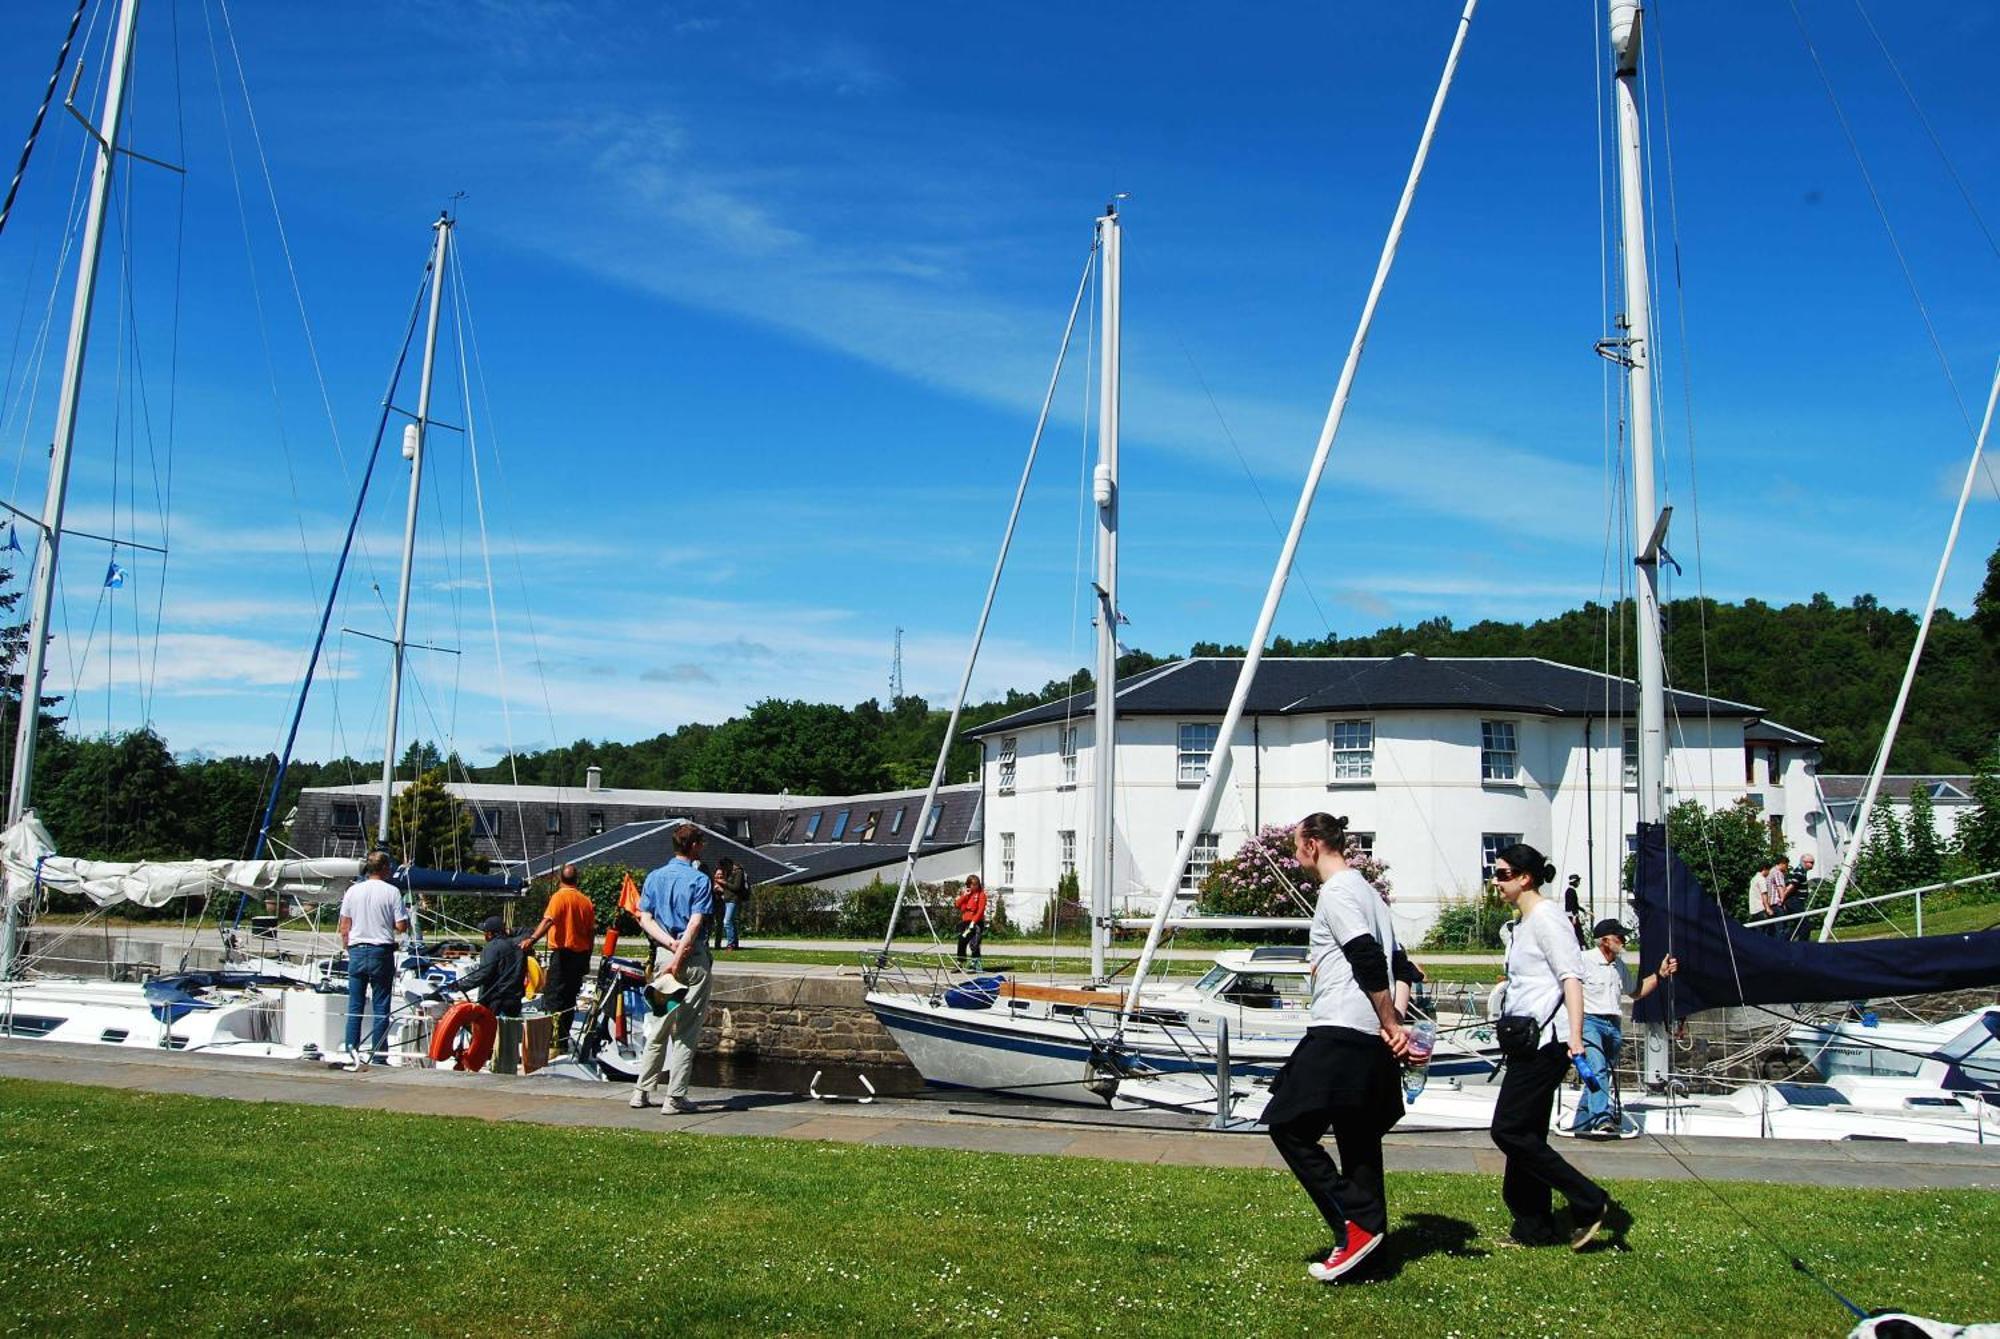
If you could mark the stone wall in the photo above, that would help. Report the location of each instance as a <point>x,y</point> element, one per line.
<point>793,1017</point>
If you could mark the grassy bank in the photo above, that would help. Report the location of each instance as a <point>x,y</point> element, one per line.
<point>186,1215</point>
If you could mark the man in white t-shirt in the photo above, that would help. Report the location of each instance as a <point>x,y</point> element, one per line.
<point>1606,983</point>
<point>372,915</point>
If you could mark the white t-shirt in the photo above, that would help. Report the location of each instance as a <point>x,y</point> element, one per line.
<point>374,907</point>
<point>1605,984</point>
<point>1541,956</point>
<point>1348,908</point>
<point>1760,889</point>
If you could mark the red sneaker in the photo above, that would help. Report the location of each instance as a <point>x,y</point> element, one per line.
<point>1360,1241</point>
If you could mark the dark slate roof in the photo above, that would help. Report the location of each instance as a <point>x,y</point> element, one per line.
<point>1770,732</point>
<point>813,863</point>
<point>649,845</point>
<point>1289,685</point>
<point>1849,788</point>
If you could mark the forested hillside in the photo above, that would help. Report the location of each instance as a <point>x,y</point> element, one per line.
<point>1825,668</point>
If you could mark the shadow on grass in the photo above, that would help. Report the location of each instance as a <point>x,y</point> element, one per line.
<point>1417,1235</point>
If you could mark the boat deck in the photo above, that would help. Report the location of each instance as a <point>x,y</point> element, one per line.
<point>963,1121</point>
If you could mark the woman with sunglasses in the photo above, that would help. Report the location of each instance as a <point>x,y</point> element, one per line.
<point>1545,985</point>
<point>1343,1075</point>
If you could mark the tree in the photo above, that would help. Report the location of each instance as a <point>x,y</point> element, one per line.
<point>430,828</point>
<point>1884,863</point>
<point>14,645</point>
<point>1723,849</point>
<point>1924,849</point>
<point>114,797</point>
<point>1264,878</point>
<point>811,748</point>
<point>1978,835</point>
<point>1986,604</point>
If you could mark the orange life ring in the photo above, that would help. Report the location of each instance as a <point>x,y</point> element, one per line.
<point>465,1035</point>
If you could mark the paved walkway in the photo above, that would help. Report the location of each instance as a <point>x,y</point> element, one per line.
<point>948,1120</point>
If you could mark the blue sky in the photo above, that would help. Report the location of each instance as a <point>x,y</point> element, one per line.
<point>765,297</point>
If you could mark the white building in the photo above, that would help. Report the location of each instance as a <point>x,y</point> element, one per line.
<point>1437,763</point>
<point>1951,800</point>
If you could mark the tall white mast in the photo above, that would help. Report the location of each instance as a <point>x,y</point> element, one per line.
<point>42,601</point>
<point>414,434</point>
<point>1104,491</point>
<point>1637,355</point>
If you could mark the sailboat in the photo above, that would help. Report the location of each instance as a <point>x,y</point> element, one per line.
<point>265,1007</point>
<point>1947,1099</point>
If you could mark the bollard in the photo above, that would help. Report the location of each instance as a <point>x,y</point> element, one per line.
<point>1222,1092</point>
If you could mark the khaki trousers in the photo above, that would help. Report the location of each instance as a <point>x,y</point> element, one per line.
<point>672,1042</point>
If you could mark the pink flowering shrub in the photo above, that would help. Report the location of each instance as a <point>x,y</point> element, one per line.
<point>1262,878</point>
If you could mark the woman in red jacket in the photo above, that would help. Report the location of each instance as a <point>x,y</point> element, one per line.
<point>971,906</point>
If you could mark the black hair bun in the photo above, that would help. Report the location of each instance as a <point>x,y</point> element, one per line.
<point>1548,874</point>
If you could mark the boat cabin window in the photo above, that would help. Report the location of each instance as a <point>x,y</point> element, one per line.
<point>1267,990</point>
<point>1214,978</point>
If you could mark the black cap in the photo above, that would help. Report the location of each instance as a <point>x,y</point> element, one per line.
<point>493,925</point>
<point>1603,928</point>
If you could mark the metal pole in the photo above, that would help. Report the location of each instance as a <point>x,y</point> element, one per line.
<point>413,451</point>
<point>1637,357</point>
<point>20,787</point>
<point>1218,767</point>
<point>1104,491</point>
<point>1222,1089</point>
<point>1867,808</point>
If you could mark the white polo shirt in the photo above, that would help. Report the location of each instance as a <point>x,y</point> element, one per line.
<point>1348,908</point>
<point>374,908</point>
<point>1605,984</point>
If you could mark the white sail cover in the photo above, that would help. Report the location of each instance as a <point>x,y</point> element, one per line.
<point>27,855</point>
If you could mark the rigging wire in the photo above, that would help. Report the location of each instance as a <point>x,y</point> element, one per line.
<point>41,112</point>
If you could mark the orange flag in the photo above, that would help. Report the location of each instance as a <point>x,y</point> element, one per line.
<point>628,905</point>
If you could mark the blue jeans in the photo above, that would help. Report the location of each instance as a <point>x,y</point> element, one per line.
<point>1602,1040</point>
<point>729,923</point>
<point>369,967</point>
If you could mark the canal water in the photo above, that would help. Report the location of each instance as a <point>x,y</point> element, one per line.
<point>765,1075</point>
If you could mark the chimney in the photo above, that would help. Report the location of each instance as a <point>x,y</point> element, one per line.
<point>593,777</point>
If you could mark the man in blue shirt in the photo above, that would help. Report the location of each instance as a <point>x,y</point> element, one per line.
<point>674,910</point>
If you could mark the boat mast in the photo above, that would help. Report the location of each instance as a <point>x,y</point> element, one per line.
<point>414,433</point>
<point>42,601</point>
<point>1634,350</point>
<point>1104,491</point>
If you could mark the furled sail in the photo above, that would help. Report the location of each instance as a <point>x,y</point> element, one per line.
<point>28,859</point>
<point>1723,963</point>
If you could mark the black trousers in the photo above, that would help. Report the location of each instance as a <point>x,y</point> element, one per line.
<point>567,967</point>
<point>1351,1191</point>
<point>970,935</point>
<point>1521,1131</point>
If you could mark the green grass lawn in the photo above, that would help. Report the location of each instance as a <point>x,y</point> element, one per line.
<point>1943,921</point>
<point>145,1213</point>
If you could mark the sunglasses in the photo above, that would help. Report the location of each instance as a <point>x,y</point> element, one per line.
<point>1501,874</point>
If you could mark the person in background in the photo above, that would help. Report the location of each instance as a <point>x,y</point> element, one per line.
<point>1343,1074</point>
<point>1544,983</point>
<point>1778,887</point>
<point>1798,894</point>
<point>1573,906</point>
<point>730,885</point>
<point>501,973</point>
<point>372,914</point>
<point>1759,896</point>
<point>569,920</point>
<point>675,908</point>
<point>1606,983</point>
<point>971,906</point>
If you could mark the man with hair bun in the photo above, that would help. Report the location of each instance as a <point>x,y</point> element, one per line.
<point>1343,1075</point>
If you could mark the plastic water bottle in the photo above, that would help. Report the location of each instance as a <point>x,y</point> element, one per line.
<point>1422,1036</point>
<point>1586,1073</point>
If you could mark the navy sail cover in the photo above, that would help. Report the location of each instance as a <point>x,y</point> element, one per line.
<point>1723,963</point>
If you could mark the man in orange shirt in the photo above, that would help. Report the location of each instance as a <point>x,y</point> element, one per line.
<point>971,906</point>
<point>568,922</point>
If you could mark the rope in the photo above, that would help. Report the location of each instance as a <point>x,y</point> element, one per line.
<point>48,97</point>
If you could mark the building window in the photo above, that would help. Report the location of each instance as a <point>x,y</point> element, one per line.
<point>1008,754</point>
<point>1006,860</point>
<point>1197,746</point>
<point>785,829</point>
<point>812,827</point>
<point>347,816</point>
<point>1491,844</point>
<point>896,820</point>
<point>1200,862</point>
<point>1499,754</point>
<point>1352,749</point>
<point>596,823</point>
<point>1361,844</point>
<point>552,822</point>
<point>931,825</point>
<point>485,821</point>
<point>839,825</point>
<point>1066,750</point>
<point>1066,864</point>
<point>868,826</point>
<point>739,828</point>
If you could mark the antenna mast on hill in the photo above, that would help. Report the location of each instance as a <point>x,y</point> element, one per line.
<point>896,671</point>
